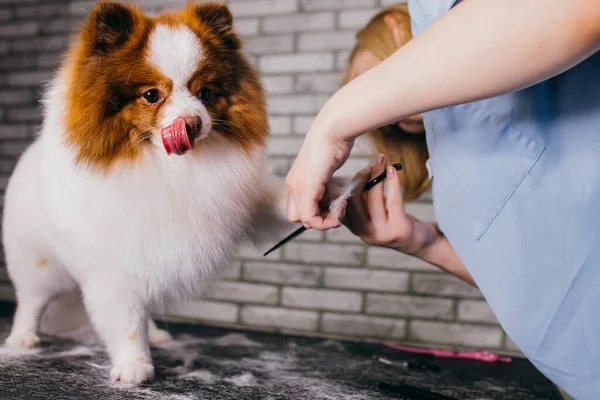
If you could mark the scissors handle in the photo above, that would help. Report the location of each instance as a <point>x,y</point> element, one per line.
<point>368,186</point>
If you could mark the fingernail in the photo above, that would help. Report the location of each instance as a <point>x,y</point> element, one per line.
<point>390,172</point>
<point>381,159</point>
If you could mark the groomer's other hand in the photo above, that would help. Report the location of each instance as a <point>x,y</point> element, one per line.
<point>320,156</point>
<point>382,221</point>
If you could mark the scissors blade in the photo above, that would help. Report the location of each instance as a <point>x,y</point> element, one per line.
<point>291,236</point>
<point>369,185</point>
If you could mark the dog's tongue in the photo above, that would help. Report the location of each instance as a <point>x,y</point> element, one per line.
<point>175,137</point>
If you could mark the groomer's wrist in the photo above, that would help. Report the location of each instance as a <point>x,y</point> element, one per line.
<point>429,236</point>
<point>331,123</point>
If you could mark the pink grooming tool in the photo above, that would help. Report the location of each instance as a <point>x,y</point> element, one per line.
<point>484,356</point>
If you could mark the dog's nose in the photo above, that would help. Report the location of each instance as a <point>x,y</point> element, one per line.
<point>193,126</point>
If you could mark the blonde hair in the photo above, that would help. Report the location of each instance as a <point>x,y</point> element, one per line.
<point>397,145</point>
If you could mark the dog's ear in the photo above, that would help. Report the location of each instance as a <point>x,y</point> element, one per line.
<point>218,18</point>
<point>111,25</point>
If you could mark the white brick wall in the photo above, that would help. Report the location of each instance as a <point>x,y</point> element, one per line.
<point>322,283</point>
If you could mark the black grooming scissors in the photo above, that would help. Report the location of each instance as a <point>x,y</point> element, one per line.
<point>368,186</point>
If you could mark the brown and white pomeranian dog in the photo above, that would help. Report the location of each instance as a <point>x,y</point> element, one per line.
<point>148,173</point>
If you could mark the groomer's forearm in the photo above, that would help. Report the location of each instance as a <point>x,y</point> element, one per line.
<point>441,254</point>
<point>478,50</point>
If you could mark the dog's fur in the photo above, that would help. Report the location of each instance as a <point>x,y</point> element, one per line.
<point>95,203</point>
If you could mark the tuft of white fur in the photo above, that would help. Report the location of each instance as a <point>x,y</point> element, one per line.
<point>338,206</point>
<point>341,189</point>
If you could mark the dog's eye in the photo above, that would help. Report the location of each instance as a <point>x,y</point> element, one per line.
<point>151,96</point>
<point>204,94</point>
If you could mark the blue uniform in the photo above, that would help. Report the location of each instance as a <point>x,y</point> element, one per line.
<point>516,189</point>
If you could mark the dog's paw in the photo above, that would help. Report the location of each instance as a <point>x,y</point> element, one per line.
<point>132,371</point>
<point>26,340</point>
<point>159,336</point>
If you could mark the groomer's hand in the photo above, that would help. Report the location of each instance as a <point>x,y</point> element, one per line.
<point>320,156</point>
<point>382,221</point>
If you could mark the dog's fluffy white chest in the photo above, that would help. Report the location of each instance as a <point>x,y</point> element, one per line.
<point>166,222</point>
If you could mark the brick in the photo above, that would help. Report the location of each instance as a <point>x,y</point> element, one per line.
<point>279,125</point>
<point>318,83</point>
<point>365,279</point>
<point>81,7</point>
<point>302,124</point>
<point>13,148</point>
<point>206,311</point>
<point>363,148</point>
<point>42,11</point>
<point>284,146</point>
<point>4,47</point>
<point>245,293</point>
<point>278,84</point>
<point>5,14</point>
<point>45,61</point>
<point>421,211</point>
<point>324,253</point>
<point>12,97</point>
<point>246,26</point>
<point>59,26</point>
<point>281,318</point>
<point>36,45</point>
<point>285,274</point>
<point>387,3</point>
<point>456,334</point>
<point>310,62</point>
<point>442,285</point>
<point>232,271</point>
<point>299,23</point>
<point>269,44</point>
<point>476,311</point>
<point>262,7</point>
<point>24,114</point>
<point>312,5</point>
<point>29,78</point>
<point>248,251</point>
<point>510,345</point>
<point>19,29</point>
<point>295,104</point>
<point>426,197</point>
<point>278,166</point>
<point>352,166</point>
<point>162,4</point>
<point>341,60</point>
<point>312,235</point>
<point>388,258</point>
<point>7,292</point>
<point>364,326</point>
<point>342,235</point>
<point>14,131</point>
<point>7,166</point>
<point>326,41</point>
<point>356,19</point>
<point>17,62</point>
<point>11,2</point>
<point>410,306</point>
<point>333,300</point>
